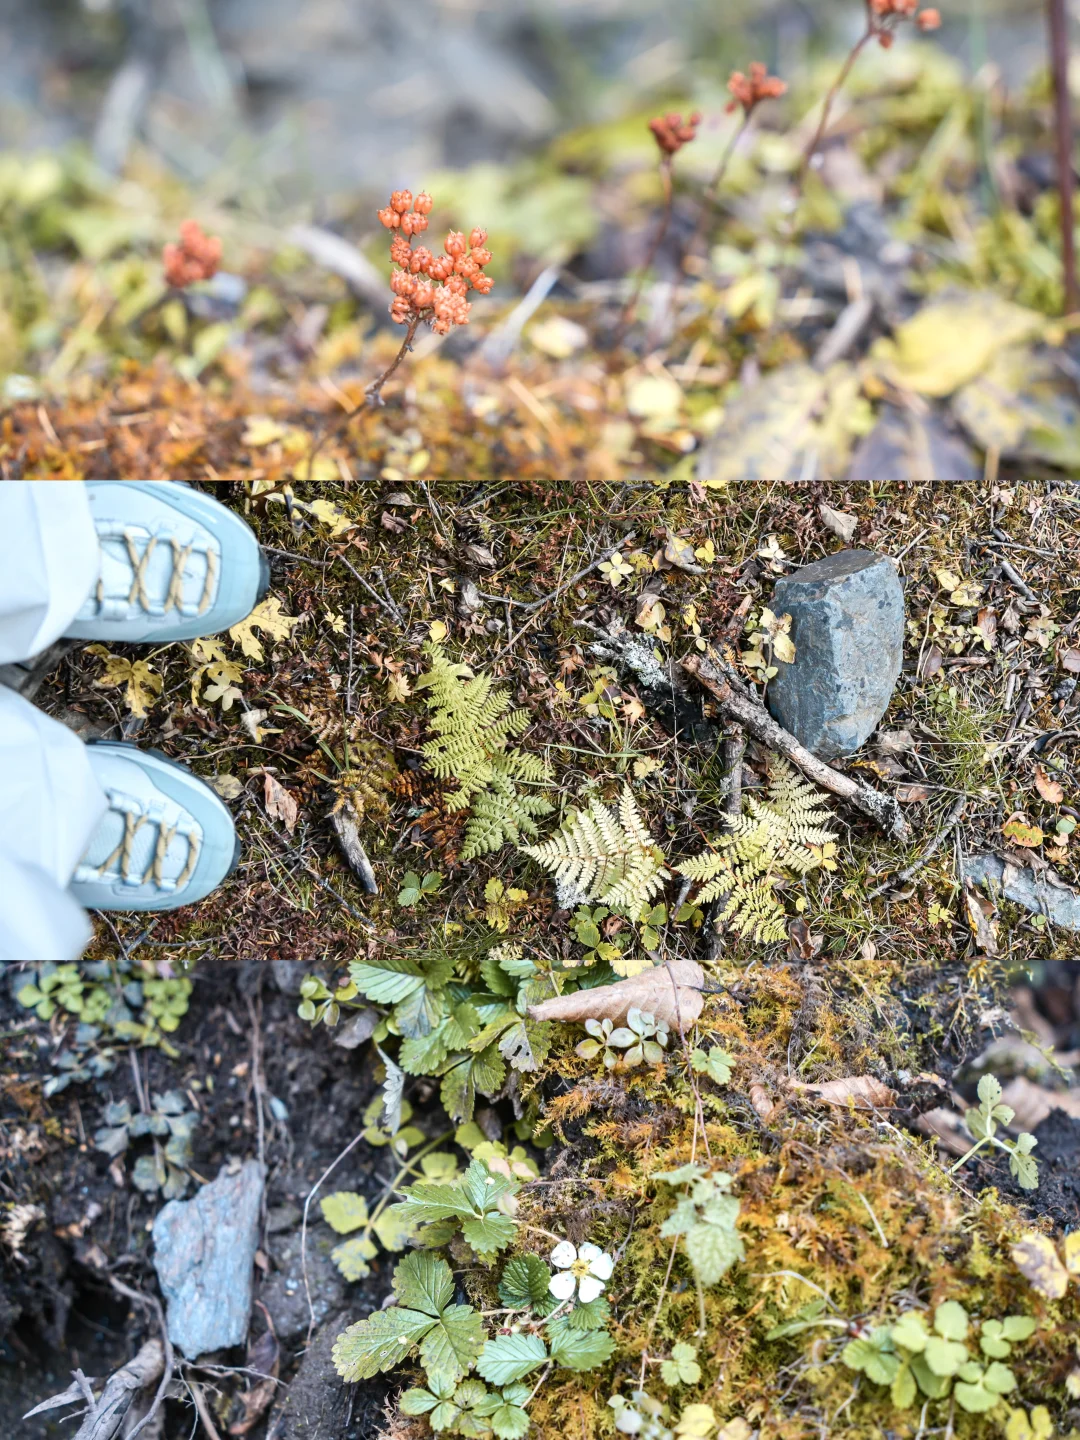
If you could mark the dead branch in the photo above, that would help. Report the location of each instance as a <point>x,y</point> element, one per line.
<point>721,682</point>
<point>951,821</point>
<point>104,1417</point>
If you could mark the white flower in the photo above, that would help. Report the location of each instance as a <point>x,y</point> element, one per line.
<point>583,1270</point>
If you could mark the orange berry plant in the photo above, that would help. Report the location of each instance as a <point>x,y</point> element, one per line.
<point>671,132</point>
<point>197,257</point>
<point>883,17</point>
<point>429,287</point>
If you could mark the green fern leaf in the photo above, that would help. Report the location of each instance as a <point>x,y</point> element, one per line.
<point>605,857</point>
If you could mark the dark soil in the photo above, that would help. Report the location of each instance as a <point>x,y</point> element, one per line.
<point>57,1310</point>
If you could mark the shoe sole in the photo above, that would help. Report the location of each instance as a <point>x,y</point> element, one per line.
<point>215,799</point>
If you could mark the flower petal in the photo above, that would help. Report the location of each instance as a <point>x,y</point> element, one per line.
<point>564,1255</point>
<point>563,1286</point>
<point>590,1288</point>
<point>601,1266</point>
<point>589,1252</point>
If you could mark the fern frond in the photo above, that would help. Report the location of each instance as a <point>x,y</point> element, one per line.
<point>606,858</point>
<point>782,835</point>
<point>500,814</point>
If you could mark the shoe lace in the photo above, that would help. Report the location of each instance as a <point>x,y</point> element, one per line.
<point>121,856</point>
<point>180,555</point>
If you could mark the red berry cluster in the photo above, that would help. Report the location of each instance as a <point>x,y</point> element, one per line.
<point>671,132</point>
<point>432,287</point>
<point>750,90</point>
<point>885,15</point>
<point>197,257</point>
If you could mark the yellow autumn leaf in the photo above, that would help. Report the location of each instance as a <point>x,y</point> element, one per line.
<point>142,682</point>
<point>947,579</point>
<point>326,511</point>
<point>951,341</point>
<point>323,468</point>
<point>1037,1260</point>
<point>1021,833</point>
<point>437,632</point>
<point>654,397</point>
<point>268,618</point>
<point>397,687</point>
<point>261,430</point>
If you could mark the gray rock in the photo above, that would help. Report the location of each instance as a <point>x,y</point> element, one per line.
<point>204,1250</point>
<point>847,623</point>
<point>283,1291</point>
<point>1060,905</point>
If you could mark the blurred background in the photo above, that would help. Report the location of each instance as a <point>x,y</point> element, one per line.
<point>293,101</point>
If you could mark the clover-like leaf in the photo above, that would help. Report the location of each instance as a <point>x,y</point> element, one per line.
<point>682,1368</point>
<point>951,1320</point>
<point>944,1357</point>
<point>344,1211</point>
<point>352,1257</point>
<point>902,1391</point>
<point>910,1331</point>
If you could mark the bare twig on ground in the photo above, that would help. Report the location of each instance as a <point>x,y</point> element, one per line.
<point>348,834</point>
<point>304,1224</point>
<point>388,605</point>
<point>850,324</point>
<point>151,1302</point>
<point>951,821</point>
<point>201,1406</point>
<point>725,686</point>
<point>537,605</point>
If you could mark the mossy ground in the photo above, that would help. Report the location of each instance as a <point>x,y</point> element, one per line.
<point>854,1203</point>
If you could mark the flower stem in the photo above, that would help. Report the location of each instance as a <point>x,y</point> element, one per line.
<point>973,1151</point>
<point>658,239</point>
<point>830,98</point>
<point>709,194</point>
<point>1059,64</point>
<point>372,394</point>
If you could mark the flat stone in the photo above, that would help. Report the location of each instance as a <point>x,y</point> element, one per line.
<point>847,625</point>
<point>204,1250</point>
<point>1060,905</point>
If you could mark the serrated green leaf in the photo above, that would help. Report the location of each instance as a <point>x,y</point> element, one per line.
<point>423,1282</point>
<point>351,1258</point>
<point>712,1250</point>
<point>951,1320</point>
<point>510,1422</point>
<point>510,1357</point>
<point>910,1331</point>
<point>387,978</point>
<point>593,1315</point>
<point>344,1211</point>
<point>378,1343</point>
<point>524,1281</point>
<point>417,1402</point>
<point>582,1349</point>
<point>944,1357</point>
<point>489,1235</point>
<point>452,1345</point>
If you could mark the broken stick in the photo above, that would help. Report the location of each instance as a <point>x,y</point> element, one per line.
<point>738,704</point>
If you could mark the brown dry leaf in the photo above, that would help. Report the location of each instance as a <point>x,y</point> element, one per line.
<point>280,803</point>
<point>479,555</point>
<point>894,742</point>
<point>986,624</point>
<point>863,1091</point>
<point>910,794</point>
<point>1049,788</point>
<point>671,993</point>
<point>1037,1260</point>
<point>1070,660</point>
<point>393,523</point>
<point>980,917</point>
<point>265,1357</point>
<point>947,1128</point>
<point>1033,1103</point>
<point>762,1102</point>
<point>803,944</point>
<point>841,525</point>
<point>931,663</point>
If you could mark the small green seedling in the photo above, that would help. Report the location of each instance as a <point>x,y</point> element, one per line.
<point>983,1123</point>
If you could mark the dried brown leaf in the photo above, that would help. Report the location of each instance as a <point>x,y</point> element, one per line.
<point>863,1091</point>
<point>980,917</point>
<point>280,803</point>
<point>841,525</point>
<point>265,1357</point>
<point>1070,660</point>
<point>1049,788</point>
<point>912,793</point>
<point>762,1102</point>
<point>947,1128</point>
<point>671,993</point>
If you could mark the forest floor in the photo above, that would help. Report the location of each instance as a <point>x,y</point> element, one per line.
<point>879,365</point>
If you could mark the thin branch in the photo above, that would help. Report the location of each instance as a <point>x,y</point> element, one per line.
<point>951,821</point>
<point>1063,144</point>
<point>723,684</point>
<point>830,100</point>
<point>654,249</point>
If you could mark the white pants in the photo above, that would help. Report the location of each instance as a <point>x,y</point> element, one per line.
<point>50,803</point>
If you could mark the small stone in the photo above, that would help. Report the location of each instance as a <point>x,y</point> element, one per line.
<point>204,1250</point>
<point>847,624</point>
<point>1059,904</point>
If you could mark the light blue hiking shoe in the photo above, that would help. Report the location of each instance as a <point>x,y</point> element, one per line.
<point>175,563</point>
<point>166,841</point>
